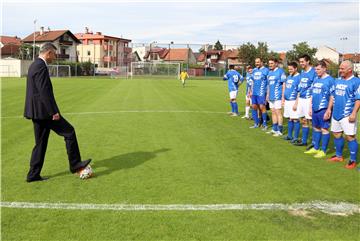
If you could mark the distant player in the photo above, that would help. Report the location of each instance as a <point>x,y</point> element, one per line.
<point>289,101</point>
<point>234,79</point>
<point>249,82</point>
<point>183,77</point>
<point>259,93</point>
<point>344,105</point>
<point>307,77</point>
<point>276,78</point>
<point>320,96</point>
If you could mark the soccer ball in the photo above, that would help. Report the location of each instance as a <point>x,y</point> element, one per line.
<point>86,172</point>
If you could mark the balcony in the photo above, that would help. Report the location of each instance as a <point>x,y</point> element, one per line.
<point>65,42</point>
<point>108,47</point>
<point>109,58</point>
<point>62,56</point>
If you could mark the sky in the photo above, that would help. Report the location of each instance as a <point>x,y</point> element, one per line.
<point>281,24</point>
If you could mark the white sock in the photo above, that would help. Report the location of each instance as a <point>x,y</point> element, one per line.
<point>247,109</point>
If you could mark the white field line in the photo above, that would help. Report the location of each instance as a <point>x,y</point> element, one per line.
<point>127,111</point>
<point>340,208</point>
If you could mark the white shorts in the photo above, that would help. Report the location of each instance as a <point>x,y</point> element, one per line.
<point>233,94</point>
<point>344,125</point>
<point>304,108</point>
<point>288,110</point>
<point>276,104</point>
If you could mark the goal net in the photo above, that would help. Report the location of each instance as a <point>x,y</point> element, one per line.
<point>59,70</point>
<point>155,69</point>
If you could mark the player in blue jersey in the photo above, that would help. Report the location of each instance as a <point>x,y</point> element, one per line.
<point>275,78</point>
<point>234,79</point>
<point>289,97</point>
<point>344,105</point>
<point>249,82</point>
<point>258,93</point>
<point>320,96</point>
<point>303,102</point>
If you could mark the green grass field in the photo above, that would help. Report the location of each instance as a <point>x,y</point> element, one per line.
<point>154,142</point>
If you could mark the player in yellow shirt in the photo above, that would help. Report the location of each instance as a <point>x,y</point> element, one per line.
<point>183,76</point>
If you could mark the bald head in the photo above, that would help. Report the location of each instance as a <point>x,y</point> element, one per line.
<point>346,69</point>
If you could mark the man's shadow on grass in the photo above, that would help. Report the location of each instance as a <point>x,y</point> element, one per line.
<point>123,161</point>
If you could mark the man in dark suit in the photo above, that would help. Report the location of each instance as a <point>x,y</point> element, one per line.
<point>41,108</point>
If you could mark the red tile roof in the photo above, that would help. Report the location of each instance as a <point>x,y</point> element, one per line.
<point>176,55</point>
<point>353,57</point>
<point>10,45</point>
<point>98,36</point>
<point>48,36</point>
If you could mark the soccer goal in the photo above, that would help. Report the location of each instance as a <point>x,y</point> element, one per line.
<point>59,70</point>
<point>155,69</point>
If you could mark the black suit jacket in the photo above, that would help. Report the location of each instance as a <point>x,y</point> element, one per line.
<point>40,102</point>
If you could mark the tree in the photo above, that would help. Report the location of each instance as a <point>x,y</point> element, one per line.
<point>247,53</point>
<point>300,49</point>
<point>26,51</point>
<point>218,46</point>
<point>262,51</point>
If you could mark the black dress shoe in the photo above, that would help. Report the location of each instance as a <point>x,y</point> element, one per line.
<point>80,165</point>
<point>37,179</point>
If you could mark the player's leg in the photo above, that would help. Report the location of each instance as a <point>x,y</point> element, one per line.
<point>350,129</point>
<point>325,135</point>
<point>337,131</point>
<point>255,108</point>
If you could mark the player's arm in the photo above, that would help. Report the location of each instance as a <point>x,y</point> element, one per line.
<point>328,111</point>
<point>283,94</point>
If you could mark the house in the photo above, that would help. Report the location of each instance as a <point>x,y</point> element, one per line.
<point>9,46</point>
<point>103,50</point>
<point>219,59</point>
<point>180,55</point>
<point>355,59</point>
<point>64,41</point>
<point>155,54</point>
<point>325,52</point>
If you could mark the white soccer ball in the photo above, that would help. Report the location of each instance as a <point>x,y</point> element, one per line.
<point>86,172</point>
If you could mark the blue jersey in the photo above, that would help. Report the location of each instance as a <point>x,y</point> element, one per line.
<point>260,81</point>
<point>345,93</point>
<point>234,78</point>
<point>321,91</point>
<point>307,78</point>
<point>276,78</point>
<point>249,82</point>
<point>292,87</point>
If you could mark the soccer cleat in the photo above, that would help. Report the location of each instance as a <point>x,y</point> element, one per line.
<point>312,151</point>
<point>287,138</point>
<point>264,128</point>
<point>293,141</point>
<point>351,164</point>
<point>271,132</point>
<point>245,117</point>
<point>299,143</point>
<point>234,114</point>
<point>230,113</point>
<point>309,147</point>
<point>277,133</point>
<point>320,154</point>
<point>254,126</point>
<point>336,159</point>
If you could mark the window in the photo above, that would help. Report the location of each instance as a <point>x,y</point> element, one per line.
<point>88,53</point>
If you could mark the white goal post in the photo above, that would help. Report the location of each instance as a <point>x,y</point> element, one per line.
<point>155,69</point>
<point>59,70</point>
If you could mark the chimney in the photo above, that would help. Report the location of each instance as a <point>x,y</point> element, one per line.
<point>86,30</point>
<point>98,33</point>
<point>41,30</point>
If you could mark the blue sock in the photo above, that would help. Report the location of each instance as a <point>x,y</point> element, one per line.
<point>316,139</point>
<point>339,146</point>
<point>325,141</point>
<point>353,147</point>
<point>305,134</point>
<point>297,129</point>
<point>290,128</point>
<point>264,115</point>
<point>275,127</point>
<point>236,109</point>
<point>232,107</point>
<point>255,116</point>
<point>280,128</point>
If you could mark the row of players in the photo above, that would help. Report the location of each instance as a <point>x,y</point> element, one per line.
<point>309,96</point>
